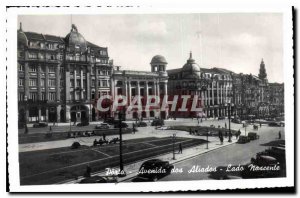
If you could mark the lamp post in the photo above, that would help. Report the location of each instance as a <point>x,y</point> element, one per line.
<point>122,173</point>
<point>26,102</point>
<point>173,138</point>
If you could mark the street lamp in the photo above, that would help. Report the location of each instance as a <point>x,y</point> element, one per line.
<point>26,102</point>
<point>173,138</point>
<point>122,173</point>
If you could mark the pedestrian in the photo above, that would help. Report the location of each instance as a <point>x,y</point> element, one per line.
<point>221,139</point>
<point>279,135</point>
<point>260,124</point>
<point>104,137</point>
<point>190,131</point>
<point>225,134</point>
<point>225,125</point>
<point>50,128</point>
<point>198,122</point>
<point>180,148</point>
<point>201,120</point>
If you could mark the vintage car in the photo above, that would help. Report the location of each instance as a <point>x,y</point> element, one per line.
<point>243,139</point>
<point>141,124</point>
<point>253,136</point>
<point>274,124</point>
<point>102,126</point>
<point>81,124</point>
<point>40,125</point>
<point>123,125</point>
<point>99,179</point>
<point>153,169</point>
<point>236,120</point>
<point>263,166</point>
<point>157,122</point>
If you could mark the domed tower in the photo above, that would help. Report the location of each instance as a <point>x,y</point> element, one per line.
<point>191,69</point>
<point>75,42</point>
<point>158,64</point>
<point>22,39</point>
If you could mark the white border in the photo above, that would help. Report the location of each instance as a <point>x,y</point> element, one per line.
<point>159,186</point>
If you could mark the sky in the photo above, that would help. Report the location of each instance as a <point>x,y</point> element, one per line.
<point>234,41</point>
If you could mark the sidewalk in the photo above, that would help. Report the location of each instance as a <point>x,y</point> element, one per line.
<point>132,169</point>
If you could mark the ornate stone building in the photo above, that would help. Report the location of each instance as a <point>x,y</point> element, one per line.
<point>142,83</point>
<point>60,78</point>
<point>213,88</point>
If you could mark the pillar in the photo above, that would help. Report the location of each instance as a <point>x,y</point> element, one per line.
<point>81,83</point>
<point>39,92</point>
<point>57,83</point>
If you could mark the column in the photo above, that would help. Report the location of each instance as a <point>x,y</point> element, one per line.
<point>26,81</point>
<point>129,93</point>
<point>154,85</point>
<point>39,92</point>
<point>46,84</point>
<point>213,93</point>
<point>147,91</point>
<point>158,91</point>
<point>81,83</point>
<point>75,82</point>
<point>57,83</point>
<point>47,113</point>
<point>88,82</point>
<point>221,94</point>
<point>96,83</point>
<point>67,84</point>
<point>138,88</point>
<point>166,88</point>
<point>218,99</point>
<point>40,113</point>
<point>126,90</point>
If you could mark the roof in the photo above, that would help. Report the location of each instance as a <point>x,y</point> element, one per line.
<point>34,36</point>
<point>158,59</point>
<point>53,38</point>
<point>173,71</point>
<point>89,44</point>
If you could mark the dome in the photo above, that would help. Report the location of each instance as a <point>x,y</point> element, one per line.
<point>158,59</point>
<point>22,38</point>
<point>75,40</point>
<point>191,68</point>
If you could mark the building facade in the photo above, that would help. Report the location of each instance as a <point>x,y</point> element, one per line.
<point>60,78</point>
<point>144,84</point>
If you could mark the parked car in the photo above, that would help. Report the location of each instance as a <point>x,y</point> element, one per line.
<point>253,136</point>
<point>221,118</point>
<point>154,169</point>
<point>80,124</point>
<point>274,124</point>
<point>282,123</point>
<point>243,139</point>
<point>236,120</point>
<point>123,125</point>
<point>157,122</point>
<point>102,126</point>
<point>40,125</point>
<point>109,120</point>
<point>99,179</point>
<point>141,124</point>
<point>260,162</point>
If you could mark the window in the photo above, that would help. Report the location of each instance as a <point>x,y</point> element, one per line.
<point>21,67</point>
<point>42,82</point>
<point>33,96</point>
<point>52,96</point>
<point>21,82</point>
<point>62,70</point>
<point>84,83</point>
<point>99,83</point>
<point>104,83</point>
<point>21,96</point>
<point>72,83</point>
<point>71,95</point>
<point>32,82</point>
<point>43,69</point>
<point>32,56</point>
<point>93,95</point>
<point>77,57</point>
<point>93,82</point>
<point>43,96</point>
<point>98,72</point>
<point>78,83</point>
<point>77,95</point>
<point>51,83</point>
<point>32,68</point>
<point>51,69</point>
